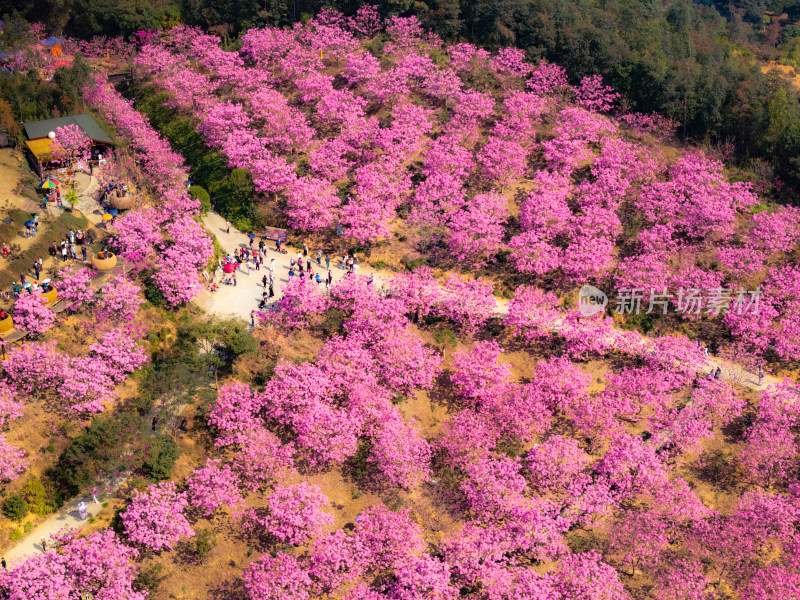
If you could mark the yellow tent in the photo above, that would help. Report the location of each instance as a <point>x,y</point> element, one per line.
<point>41,149</point>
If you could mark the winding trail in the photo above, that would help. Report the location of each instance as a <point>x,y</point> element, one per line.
<point>242,299</point>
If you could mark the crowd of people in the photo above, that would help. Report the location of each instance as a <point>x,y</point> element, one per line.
<point>251,257</point>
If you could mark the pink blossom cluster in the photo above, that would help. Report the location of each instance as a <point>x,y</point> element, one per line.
<point>98,564</point>
<point>155,518</point>
<point>168,239</point>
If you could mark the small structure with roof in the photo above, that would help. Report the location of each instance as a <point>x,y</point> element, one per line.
<point>39,142</point>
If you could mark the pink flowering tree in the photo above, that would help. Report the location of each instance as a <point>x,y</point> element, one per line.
<point>294,514</point>
<point>75,286</point>
<point>98,564</point>
<point>213,486</point>
<point>155,519</point>
<point>12,461</point>
<point>32,314</point>
<point>10,405</point>
<point>120,300</point>
<point>70,145</point>
<point>279,577</point>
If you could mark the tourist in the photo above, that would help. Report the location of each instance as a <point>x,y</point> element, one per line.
<point>328,262</point>
<point>299,257</point>
<point>272,265</point>
<point>319,280</point>
<point>330,277</point>
<point>64,253</point>
<point>227,227</point>
<point>253,319</point>
<point>308,264</point>
<point>319,257</point>
<point>36,269</point>
<point>271,291</point>
<point>44,544</point>
<point>305,249</point>
<point>83,252</point>
<point>3,563</point>
<point>234,279</point>
<point>82,510</point>
<point>264,281</point>
<point>760,376</point>
<point>5,251</point>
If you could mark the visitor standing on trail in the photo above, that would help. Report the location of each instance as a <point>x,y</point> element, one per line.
<point>272,265</point>
<point>264,281</point>
<point>299,257</point>
<point>44,544</point>
<point>305,249</point>
<point>308,264</point>
<point>227,227</point>
<point>327,262</point>
<point>252,319</point>
<point>330,277</point>
<point>271,291</point>
<point>760,376</point>
<point>319,257</point>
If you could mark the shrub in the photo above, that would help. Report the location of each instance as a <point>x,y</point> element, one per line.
<point>200,545</point>
<point>149,578</point>
<point>163,453</point>
<point>199,193</point>
<point>41,498</point>
<point>15,507</point>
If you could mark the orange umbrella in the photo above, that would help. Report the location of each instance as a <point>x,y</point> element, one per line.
<point>107,217</point>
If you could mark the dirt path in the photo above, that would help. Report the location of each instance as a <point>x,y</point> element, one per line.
<point>240,300</point>
<point>243,298</point>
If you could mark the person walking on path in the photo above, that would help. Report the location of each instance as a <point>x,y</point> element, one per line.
<point>330,277</point>
<point>83,251</point>
<point>227,227</point>
<point>234,280</point>
<point>705,352</point>
<point>305,249</point>
<point>327,262</point>
<point>308,264</point>
<point>264,281</point>
<point>271,279</point>
<point>319,257</point>
<point>271,291</point>
<point>272,265</point>
<point>3,563</point>
<point>44,544</point>
<point>760,376</point>
<point>36,269</point>
<point>253,319</point>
